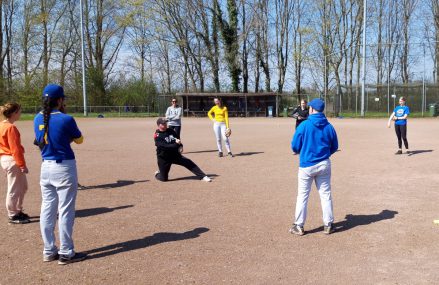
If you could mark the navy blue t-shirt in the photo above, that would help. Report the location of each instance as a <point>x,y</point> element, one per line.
<point>62,131</point>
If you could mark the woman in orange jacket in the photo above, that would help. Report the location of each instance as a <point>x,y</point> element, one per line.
<point>13,163</point>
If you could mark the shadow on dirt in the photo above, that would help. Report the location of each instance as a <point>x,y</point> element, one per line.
<point>117,184</point>
<point>414,152</point>
<point>248,153</point>
<point>201,151</point>
<point>98,211</point>
<point>352,221</point>
<point>192,178</point>
<point>155,239</point>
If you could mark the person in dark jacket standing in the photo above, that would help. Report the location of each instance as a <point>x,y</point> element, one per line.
<point>301,113</point>
<point>169,148</point>
<point>315,140</point>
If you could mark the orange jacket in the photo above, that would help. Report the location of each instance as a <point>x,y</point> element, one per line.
<point>10,143</point>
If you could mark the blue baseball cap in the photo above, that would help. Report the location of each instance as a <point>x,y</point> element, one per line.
<point>53,91</point>
<point>317,104</point>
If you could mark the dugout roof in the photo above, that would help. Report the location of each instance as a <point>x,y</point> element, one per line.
<point>239,104</point>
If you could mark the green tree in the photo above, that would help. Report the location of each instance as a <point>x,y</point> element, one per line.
<point>229,33</point>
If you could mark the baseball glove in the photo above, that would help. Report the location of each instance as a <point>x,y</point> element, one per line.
<point>228,132</point>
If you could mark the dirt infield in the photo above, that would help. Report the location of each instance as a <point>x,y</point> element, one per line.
<point>235,230</point>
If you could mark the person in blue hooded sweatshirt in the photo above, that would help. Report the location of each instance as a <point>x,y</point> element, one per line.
<point>315,140</point>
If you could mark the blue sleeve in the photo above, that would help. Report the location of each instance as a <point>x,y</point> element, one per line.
<point>407,111</point>
<point>296,143</point>
<point>334,143</point>
<point>37,123</point>
<point>73,128</point>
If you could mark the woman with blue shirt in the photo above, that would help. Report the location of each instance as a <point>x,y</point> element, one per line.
<point>400,115</point>
<point>54,132</point>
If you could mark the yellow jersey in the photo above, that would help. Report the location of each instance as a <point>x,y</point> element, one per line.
<point>221,115</point>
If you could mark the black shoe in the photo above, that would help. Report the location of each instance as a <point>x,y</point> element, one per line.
<point>398,152</point>
<point>329,229</point>
<point>23,215</point>
<point>18,219</point>
<point>230,154</point>
<point>220,154</point>
<point>64,259</point>
<point>49,258</point>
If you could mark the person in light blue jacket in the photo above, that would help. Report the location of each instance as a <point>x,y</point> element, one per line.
<point>315,140</point>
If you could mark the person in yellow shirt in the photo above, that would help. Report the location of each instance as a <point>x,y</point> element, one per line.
<point>220,117</point>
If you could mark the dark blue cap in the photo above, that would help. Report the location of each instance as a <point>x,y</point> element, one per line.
<point>317,104</point>
<point>53,91</point>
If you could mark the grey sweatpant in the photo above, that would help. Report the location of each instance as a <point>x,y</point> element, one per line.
<point>321,174</point>
<point>59,185</point>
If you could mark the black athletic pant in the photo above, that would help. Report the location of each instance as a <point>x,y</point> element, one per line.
<point>401,132</point>
<point>165,167</point>
<point>176,129</point>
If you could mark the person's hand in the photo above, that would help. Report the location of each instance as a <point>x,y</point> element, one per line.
<point>24,170</point>
<point>394,118</point>
<point>177,141</point>
<point>388,124</point>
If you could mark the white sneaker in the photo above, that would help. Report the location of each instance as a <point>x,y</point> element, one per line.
<point>207,179</point>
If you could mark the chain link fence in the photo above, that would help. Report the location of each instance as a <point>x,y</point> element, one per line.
<point>112,111</point>
<point>383,99</point>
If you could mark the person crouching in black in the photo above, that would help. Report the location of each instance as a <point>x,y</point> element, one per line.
<point>301,113</point>
<point>169,149</point>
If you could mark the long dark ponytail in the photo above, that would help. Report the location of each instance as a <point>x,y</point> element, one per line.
<point>48,105</point>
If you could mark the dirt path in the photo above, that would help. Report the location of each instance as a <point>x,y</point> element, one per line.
<point>235,229</point>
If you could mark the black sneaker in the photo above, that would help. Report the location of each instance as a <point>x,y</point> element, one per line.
<point>398,152</point>
<point>297,230</point>
<point>18,219</point>
<point>329,229</point>
<point>64,259</point>
<point>49,258</point>
<point>220,154</point>
<point>24,215</point>
<point>230,154</point>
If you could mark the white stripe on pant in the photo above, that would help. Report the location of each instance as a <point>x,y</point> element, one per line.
<point>59,184</point>
<point>17,185</point>
<point>220,133</point>
<point>321,174</point>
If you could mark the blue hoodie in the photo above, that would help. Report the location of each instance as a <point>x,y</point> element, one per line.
<point>315,139</point>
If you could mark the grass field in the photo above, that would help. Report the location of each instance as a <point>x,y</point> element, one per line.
<point>234,230</point>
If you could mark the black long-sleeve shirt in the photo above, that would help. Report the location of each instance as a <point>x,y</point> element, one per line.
<point>167,148</point>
